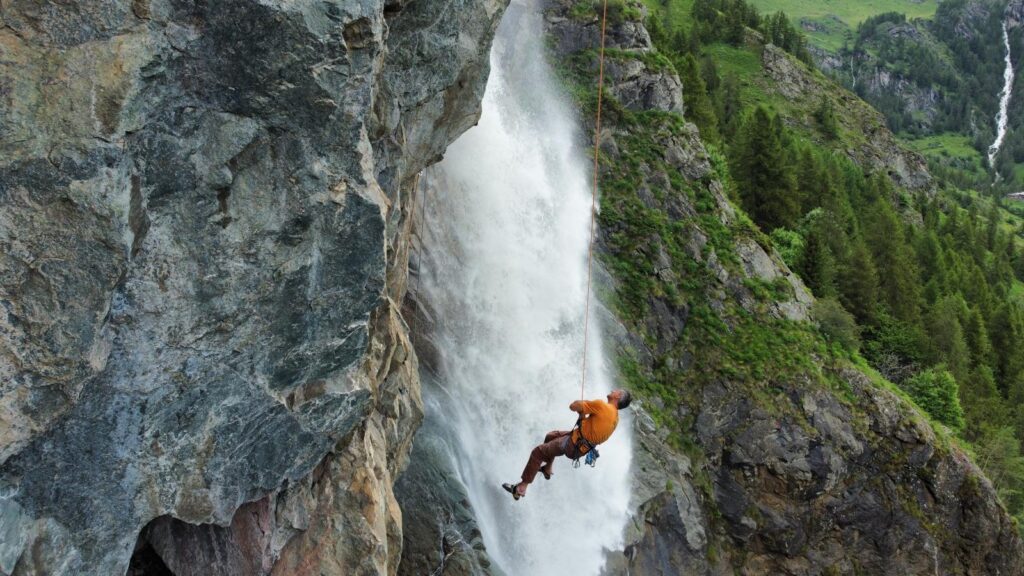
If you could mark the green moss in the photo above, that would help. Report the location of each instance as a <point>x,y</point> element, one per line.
<point>652,59</point>
<point>618,11</point>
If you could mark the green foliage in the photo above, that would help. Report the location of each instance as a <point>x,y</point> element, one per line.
<point>790,246</point>
<point>763,171</point>
<point>928,290</point>
<point>699,109</point>
<point>778,30</point>
<point>618,11</point>
<point>837,324</point>
<point>728,20</point>
<point>826,117</point>
<point>937,392</point>
<point>999,455</point>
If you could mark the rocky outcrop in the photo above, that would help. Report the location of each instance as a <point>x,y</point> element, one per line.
<point>812,470</point>
<point>638,87</point>
<point>1015,14</point>
<point>814,494</point>
<point>204,236</point>
<point>879,150</point>
<point>441,532</point>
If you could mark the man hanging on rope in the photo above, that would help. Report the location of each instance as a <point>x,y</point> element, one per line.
<point>596,423</point>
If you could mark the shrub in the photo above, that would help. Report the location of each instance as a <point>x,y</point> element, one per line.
<point>836,324</point>
<point>936,391</point>
<point>790,245</point>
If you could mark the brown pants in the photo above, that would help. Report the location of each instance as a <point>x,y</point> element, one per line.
<point>555,444</point>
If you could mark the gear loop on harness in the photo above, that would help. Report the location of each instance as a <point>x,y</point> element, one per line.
<point>591,455</point>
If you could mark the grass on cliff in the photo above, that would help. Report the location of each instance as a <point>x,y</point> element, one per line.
<point>851,12</point>
<point>827,23</point>
<point>722,340</point>
<point>830,23</point>
<point>949,145</point>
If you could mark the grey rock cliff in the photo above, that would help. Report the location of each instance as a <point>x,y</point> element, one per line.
<point>203,238</point>
<point>1015,14</point>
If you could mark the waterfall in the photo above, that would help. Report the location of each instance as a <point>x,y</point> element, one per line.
<point>1004,101</point>
<point>505,235</point>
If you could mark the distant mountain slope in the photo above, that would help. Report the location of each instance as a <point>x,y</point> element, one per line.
<point>933,69</point>
<point>827,22</point>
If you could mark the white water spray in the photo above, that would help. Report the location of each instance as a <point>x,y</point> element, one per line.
<point>505,234</point>
<point>1002,118</point>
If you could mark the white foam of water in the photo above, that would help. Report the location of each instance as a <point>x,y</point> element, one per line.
<point>1002,119</point>
<point>506,232</point>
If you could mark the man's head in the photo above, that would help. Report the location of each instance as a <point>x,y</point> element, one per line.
<point>620,398</point>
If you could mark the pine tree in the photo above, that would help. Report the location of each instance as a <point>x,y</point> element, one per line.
<point>659,36</point>
<point>826,116</point>
<point>730,107</point>
<point>946,341</point>
<point>858,286</point>
<point>818,266</point>
<point>897,271</point>
<point>976,333</point>
<point>698,105</point>
<point>735,30</point>
<point>709,72</point>
<point>1006,333</point>
<point>765,176</point>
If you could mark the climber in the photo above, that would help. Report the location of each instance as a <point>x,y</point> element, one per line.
<point>596,423</point>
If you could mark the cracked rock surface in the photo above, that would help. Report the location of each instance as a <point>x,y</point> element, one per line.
<point>203,236</point>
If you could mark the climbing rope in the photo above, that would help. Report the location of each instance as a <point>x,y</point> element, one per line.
<point>593,197</point>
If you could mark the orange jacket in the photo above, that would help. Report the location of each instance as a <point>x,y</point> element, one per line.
<point>599,421</point>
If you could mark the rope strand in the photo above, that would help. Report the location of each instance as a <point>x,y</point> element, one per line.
<point>593,198</point>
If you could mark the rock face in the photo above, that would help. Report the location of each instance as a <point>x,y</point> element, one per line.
<point>203,237</point>
<point>879,151</point>
<point>441,533</point>
<point>1015,14</point>
<point>785,474</point>
<point>788,498</point>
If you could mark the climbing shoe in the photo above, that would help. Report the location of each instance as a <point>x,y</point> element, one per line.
<point>513,489</point>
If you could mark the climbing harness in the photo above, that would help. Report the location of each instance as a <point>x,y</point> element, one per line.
<point>590,458</point>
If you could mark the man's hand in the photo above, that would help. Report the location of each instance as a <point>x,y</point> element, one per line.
<point>576,406</point>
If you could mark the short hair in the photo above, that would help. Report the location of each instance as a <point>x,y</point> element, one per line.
<point>625,399</point>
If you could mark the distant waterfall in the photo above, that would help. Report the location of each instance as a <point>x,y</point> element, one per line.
<point>505,234</point>
<point>1004,101</point>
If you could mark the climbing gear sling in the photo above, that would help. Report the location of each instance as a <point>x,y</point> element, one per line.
<point>581,442</point>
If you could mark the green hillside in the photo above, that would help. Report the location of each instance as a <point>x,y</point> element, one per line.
<point>852,12</point>
<point>829,23</point>
<point>921,284</point>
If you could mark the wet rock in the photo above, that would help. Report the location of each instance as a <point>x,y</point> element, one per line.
<point>571,34</point>
<point>1014,15</point>
<point>442,536</point>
